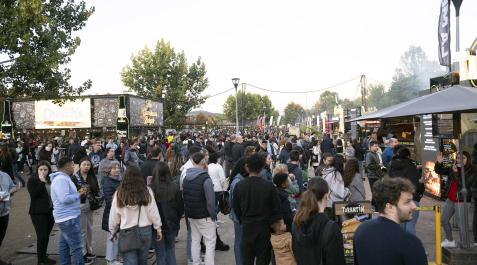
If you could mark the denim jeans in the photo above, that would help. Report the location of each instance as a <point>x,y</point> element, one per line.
<point>139,257</point>
<point>189,241</point>
<point>70,242</point>
<point>112,250</point>
<point>411,225</point>
<point>165,249</point>
<point>237,242</point>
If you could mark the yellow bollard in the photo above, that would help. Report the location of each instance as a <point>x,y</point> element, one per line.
<point>437,210</point>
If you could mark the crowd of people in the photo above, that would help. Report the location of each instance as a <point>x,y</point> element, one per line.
<point>281,214</point>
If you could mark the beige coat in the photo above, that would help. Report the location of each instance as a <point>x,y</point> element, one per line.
<point>282,248</point>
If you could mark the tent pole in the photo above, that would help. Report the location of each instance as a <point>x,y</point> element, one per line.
<point>464,233</point>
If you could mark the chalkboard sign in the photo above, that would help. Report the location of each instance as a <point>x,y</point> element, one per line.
<point>445,125</point>
<point>105,112</point>
<point>144,112</point>
<point>24,114</point>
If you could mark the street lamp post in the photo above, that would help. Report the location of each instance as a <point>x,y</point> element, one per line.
<point>236,82</point>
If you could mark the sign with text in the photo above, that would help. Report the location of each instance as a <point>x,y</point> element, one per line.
<point>430,148</point>
<point>351,215</point>
<point>72,114</point>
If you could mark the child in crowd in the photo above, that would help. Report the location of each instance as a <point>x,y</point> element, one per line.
<point>281,182</point>
<point>282,244</point>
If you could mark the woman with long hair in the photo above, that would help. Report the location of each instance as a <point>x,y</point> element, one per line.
<point>6,161</point>
<point>85,180</point>
<point>239,172</point>
<point>171,208</point>
<point>316,239</point>
<point>353,180</point>
<point>454,202</point>
<point>109,185</point>
<point>333,174</point>
<point>41,209</point>
<point>134,205</point>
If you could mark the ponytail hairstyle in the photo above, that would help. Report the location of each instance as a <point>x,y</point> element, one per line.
<point>317,189</point>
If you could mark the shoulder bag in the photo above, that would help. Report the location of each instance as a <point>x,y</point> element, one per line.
<point>129,239</point>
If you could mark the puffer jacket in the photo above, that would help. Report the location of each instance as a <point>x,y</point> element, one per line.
<point>109,186</point>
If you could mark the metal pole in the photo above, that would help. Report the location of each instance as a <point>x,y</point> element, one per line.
<point>464,233</point>
<point>457,34</point>
<point>437,210</point>
<point>236,111</point>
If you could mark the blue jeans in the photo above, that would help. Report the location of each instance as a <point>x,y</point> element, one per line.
<point>71,242</point>
<point>237,242</point>
<point>165,249</point>
<point>411,225</point>
<point>139,257</point>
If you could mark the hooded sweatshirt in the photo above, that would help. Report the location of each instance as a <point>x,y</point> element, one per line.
<point>338,192</point>
<point>310,247</point>
<point>406,168</point>
<point>65,197</point>
<point>189,193</point>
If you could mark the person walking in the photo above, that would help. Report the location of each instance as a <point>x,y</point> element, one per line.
<point>315,238</point>
<point>7,188</point>
<point>86,183</point>
<point>353,181</point>
<point>334,176</point>
<point>455,199</point>
<point>401,165</point>
<point>171,208</point>
<point>131,157</point>
<point>134,205</point>
<point>66,211</point>
<point>257,207</point>
<point>374,165</point>
<point>239,172</point>
<point>109,184</point>
<point>199,205</point>
<point>372,244</point>
<point>41,209</point>
<point>104,167</point>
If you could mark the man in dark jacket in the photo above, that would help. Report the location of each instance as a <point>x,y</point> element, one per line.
<point>73,148</point>
<point>402,166</point>
<point>327,145</point>
<point>228,145</point>
<point>382,240</point>
<point>148,166</point>
<point>373,163</point>
<point>237,150</point>
<point>199,205</point>
<point>285,153</point>
<point>257,206</point>
<point>294,168</point>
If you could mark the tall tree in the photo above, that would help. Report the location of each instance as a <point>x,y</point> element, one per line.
<point>326,102</point>
<point>293,113</point>
<point>36,42</point>
<point>165,74</point>
<point>250,106</point>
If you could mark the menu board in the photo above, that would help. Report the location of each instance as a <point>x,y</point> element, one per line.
<point>24,114</point>
<point>351,214</point>
<point>430,148</point>
<point>71,114</point>
<point>143,112</point>
<point>444,125</point>
<point>105,112</point>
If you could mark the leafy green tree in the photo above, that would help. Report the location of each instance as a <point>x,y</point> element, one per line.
<point>250,106</point>
<point>165,74</point>
<point>293,113</point>
<point>36,42</point>
<point>377,97</point>
<point>326,102</point>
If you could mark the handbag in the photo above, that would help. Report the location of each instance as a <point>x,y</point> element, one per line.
<point>129,239</point>
<point>95,201</point>
<point>224,206</point>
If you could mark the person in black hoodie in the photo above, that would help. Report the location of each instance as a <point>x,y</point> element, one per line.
<point>171,208</point>
<point>281,182</point>
<point>294,168</point>
<point>401,165</point>
<point>316,239</point>
<point>41,209</point>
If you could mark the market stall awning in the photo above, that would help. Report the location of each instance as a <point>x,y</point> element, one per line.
<point>453,99</point>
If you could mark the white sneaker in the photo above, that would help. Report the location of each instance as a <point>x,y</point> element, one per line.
<point>448,244</point>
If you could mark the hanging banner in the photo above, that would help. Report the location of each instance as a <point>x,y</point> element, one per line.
<point>278,120</point>
<point>444,34</point>
<point>271,121</point>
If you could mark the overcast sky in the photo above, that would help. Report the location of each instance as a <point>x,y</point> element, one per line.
<point>278,45</point>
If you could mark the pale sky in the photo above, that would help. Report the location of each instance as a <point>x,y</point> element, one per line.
<point>278,45</point>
